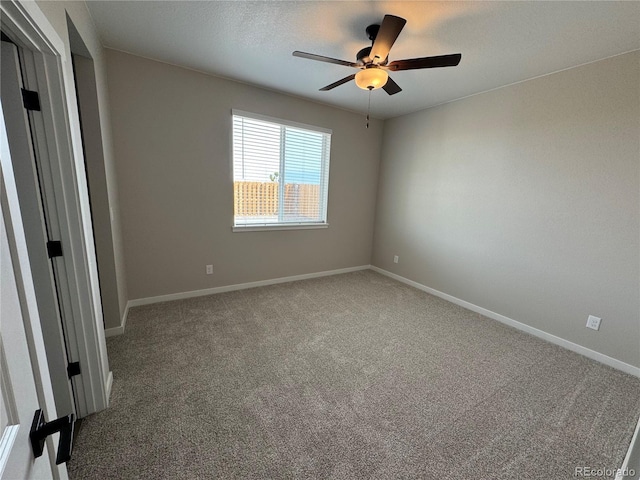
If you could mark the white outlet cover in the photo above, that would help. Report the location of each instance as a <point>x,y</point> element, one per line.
<point>396,259</point>
<point>593,322</point>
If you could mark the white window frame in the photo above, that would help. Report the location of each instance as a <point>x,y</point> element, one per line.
<point>324,200</point>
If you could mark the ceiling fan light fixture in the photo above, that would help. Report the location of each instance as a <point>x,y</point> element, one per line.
<point>373,61</point>
<point>371,78</point>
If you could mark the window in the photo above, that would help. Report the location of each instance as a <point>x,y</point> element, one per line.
<point>280,173</point>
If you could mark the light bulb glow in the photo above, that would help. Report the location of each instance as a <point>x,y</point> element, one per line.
<point>371,78</point>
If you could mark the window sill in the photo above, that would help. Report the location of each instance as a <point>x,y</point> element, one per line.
<point>295,226</point>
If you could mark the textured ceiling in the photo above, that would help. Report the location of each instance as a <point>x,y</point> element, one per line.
<point>500,42</point>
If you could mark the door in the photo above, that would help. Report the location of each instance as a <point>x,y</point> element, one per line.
<point>25,386</point>
<point>53,130</point>
<point>19,399</point>
<point>28,176</point>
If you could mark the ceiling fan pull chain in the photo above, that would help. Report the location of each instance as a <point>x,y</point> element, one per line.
<point>369,107</point>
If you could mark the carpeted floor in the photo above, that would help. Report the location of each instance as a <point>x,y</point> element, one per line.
<point>348,377</point>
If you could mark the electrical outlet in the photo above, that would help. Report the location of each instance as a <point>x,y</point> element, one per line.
<point>593,322</point>
<point>396,259</point>
<point>209,269</point>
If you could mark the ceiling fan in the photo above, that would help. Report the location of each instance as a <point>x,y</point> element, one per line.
<point>373,61</point>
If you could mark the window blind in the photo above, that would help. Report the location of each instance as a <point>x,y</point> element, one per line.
<point>280,172</point>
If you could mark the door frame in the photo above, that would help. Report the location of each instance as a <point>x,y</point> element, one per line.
<point>18,121</point>
<point>59,141</point>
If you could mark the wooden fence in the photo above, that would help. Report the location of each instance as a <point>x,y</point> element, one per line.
<point>260,199</point>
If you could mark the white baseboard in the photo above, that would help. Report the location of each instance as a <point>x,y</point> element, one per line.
<point>112,332</point>
<point>108,386</point>
<point>632,459</point>
<point>241,286</point>
<point>587,352</point>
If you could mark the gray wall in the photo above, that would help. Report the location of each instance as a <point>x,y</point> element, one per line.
<point>172,132</point>
<point>104,200</point>
<point>525,201</point>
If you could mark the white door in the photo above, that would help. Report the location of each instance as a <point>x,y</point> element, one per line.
<point>27,171</point>
<point>24,382</point>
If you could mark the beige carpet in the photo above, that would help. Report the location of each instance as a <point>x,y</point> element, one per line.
<point>348,377</point>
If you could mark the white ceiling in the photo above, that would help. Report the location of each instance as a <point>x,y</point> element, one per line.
<point>500,42</point>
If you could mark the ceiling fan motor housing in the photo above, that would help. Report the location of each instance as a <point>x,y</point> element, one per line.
<point>363,55</point>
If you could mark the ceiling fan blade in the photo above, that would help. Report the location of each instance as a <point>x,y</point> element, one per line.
<point>425,62</point>
<point>338,83</point>
<point>320,58</point>
<point>391,87</point>
<point>389,30</point>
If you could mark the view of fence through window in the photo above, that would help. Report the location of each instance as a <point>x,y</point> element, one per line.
<point>280,173</point>
<point>261,199</point>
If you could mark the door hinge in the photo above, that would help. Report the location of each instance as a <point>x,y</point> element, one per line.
<point>30,100</point>
<point>54,248</point>
<point>73,369</point>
